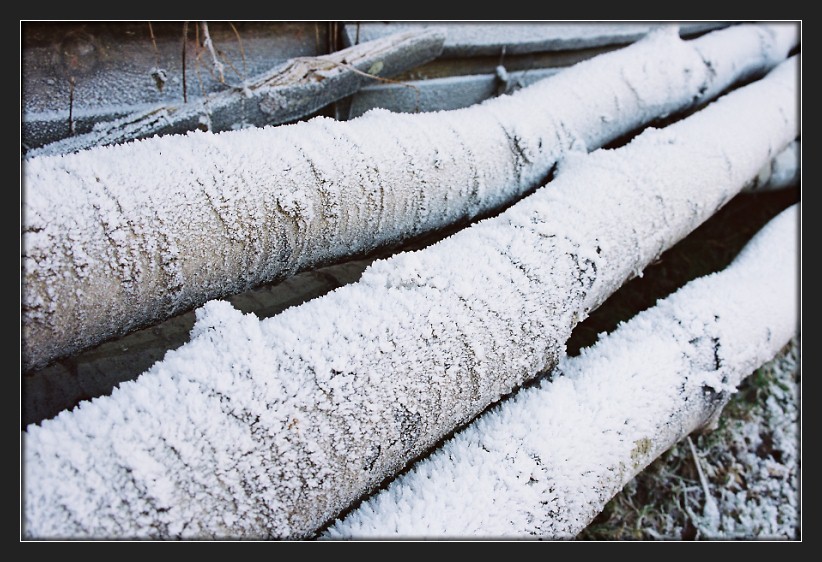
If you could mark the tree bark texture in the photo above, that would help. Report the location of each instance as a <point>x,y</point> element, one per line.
<point>271,428</point>
<point>118,238</point>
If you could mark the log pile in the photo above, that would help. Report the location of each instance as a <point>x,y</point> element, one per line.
<point>269,429</point>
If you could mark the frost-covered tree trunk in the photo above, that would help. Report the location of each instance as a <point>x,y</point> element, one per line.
<point>271,428</point>
<point>116,238</point>
<point>546,462</point>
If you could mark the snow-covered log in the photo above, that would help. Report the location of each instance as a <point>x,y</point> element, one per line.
<point>294,89</point>
<point>271,428</point>
<point>116,238</point>
<point>546,462</point>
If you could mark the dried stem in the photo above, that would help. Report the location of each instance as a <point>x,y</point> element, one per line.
<point>318,60</point>
<point>242,50</point>
<point>699,471</point>
<point>154,42</point>
<point>209,44</point>
<point>71,105</point>
<point>185,40</point>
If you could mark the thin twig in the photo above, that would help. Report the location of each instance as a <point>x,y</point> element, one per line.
<point>205,118</point>
<point>695,519</point>
<point>708,524</point>
<point>209,44</point>
<point>702,479</point>
<point>71,105</point>
<point>185,40</point>
<point>242,50</point>
<point>317,60</point>
<point>237,72</point>
<point>158,73</point>
<point>198,58</point>
<point>154,42</point>
<point>332,37</point>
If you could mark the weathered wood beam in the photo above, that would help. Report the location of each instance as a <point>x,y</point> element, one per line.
<point>471,39</point>
<point>75,74</point>
<point>443,94</point>
<point>296,89</point>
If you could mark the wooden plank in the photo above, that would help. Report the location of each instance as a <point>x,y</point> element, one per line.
<point>513,38</point>
<point>478,48</point>
<point>441,94</point>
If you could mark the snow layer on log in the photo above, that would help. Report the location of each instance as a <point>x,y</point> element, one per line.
<point>117,238</point>
<point>271,428</point>
<point>545,463</point>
